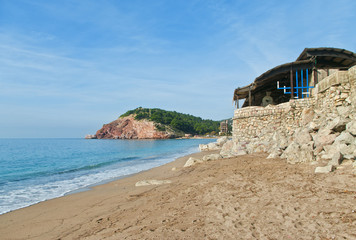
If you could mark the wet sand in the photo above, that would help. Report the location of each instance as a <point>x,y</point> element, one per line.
<point>247,197</point>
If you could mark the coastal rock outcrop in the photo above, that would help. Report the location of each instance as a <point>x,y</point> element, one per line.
<point>129,128</point>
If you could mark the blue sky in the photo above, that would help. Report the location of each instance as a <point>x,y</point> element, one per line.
<point>69,66</point>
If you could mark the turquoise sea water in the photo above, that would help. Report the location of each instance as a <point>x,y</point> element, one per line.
<point>34,170</point>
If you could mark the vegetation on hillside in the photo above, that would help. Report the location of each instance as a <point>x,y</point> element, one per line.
<point>177,121</point>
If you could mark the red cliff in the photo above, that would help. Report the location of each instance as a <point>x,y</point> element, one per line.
<point>129,128</point>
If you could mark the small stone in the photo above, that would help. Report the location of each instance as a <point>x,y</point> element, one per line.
<point>302,136</point>
<point>213,146</point>
<point>347,150</point>
<point>174,169</point>
<point>326,169</point>
<point>240,152</point>
<point>192,161</point>
<point>203,147</point>
<point>344,95</point>
<point>344,137</point>
<point>283,143</point>
<point>322,138</point>
<point>227,149</point>
<point>312,126</point>
<point>336,159</point>
<point>342,111</point>
<point>211,157</point>
<point>221,141</point>
<point>337,124</point>
<point>275,153</point>
<point>351,127</point>
<point>307,115</point>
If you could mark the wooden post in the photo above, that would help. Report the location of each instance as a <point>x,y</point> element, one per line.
<point>291,84</point>
<point>249,96</point>
<point>315,71</point>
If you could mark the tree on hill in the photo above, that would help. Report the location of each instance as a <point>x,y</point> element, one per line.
<point>179,121</point>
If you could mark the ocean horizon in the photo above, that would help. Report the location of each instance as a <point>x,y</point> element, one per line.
<point>38,169</point>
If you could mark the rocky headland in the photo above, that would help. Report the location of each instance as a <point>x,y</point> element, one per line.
<point>130,128</point>
<point>155,123</point>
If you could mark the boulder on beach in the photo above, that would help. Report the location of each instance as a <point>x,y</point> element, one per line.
<point>214,145</point>
<point>211,157</point>
<point>152,182</point>
<point>192,161</point>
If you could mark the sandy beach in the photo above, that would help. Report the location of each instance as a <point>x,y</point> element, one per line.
<point>247,197</point>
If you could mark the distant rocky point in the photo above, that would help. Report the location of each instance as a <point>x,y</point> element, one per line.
<point>129,128</point>
<point>144,123</point>
<point>90,136</point>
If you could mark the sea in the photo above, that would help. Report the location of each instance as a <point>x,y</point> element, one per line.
<point>34,170</point>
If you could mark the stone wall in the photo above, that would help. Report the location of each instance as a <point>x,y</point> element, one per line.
<point>260,122</point>
<point>331,95</point>
<point>306,125</point>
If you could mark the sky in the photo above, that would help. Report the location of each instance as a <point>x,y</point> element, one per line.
<point>68,67</point>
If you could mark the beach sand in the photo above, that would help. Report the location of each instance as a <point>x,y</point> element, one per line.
<point>247,197</point>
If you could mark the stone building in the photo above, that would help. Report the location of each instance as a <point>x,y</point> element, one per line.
<point>294,80</point>
<point>298,110</point>
<point>224,127</point>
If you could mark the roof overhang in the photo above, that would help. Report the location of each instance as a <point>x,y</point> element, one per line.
<point>271,76</point>
<point>329,57</point>
<point>320,58</point>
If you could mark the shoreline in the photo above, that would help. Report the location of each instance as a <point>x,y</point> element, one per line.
<point>102,185</point>
<point>84,182</point>
<point>107,181</point>
<point>247,196</point>
<point>91,186</point>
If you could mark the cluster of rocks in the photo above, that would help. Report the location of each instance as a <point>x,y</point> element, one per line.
<point>319,129</point>
<point>192,161</point>
<point>214,145</point>
<point>333,141</point>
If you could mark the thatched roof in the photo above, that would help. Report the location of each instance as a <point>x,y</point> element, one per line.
<point>320,58</point>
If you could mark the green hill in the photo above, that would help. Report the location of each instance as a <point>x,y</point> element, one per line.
<point>178,121</point>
